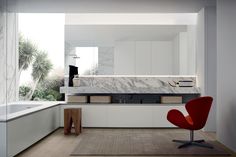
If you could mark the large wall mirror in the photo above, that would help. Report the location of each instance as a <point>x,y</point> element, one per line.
<point>131,49</point>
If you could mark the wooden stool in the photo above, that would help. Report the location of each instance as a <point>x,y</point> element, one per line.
<point>72,116</point>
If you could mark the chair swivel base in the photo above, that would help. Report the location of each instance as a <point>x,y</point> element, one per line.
<point>193,142</point>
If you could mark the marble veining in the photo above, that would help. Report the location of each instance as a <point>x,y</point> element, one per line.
<point>3,56</point>
<point>12,57</point>
<point>130,85</point>
<point>9,58</point>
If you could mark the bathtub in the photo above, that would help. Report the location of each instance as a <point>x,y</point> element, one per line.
<point>27,123</point>
<point>13,108</point>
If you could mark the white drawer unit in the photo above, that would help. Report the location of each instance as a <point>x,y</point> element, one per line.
<point>124,115</point>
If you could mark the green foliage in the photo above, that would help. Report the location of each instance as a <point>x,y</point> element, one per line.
<point>23,91</point>
<point>41,66</point>
<point>47,90</point>
<point>52,83</point>
<point>50,98</point>
<point>44,88</point>
<point>27,51</point>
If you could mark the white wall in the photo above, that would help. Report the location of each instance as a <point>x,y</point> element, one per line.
<point>211,64</point>
<point>226,74</point>
<point>206,59</point>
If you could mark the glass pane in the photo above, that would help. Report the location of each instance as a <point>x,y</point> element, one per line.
<point>41,56</point>
<point>3,78</point>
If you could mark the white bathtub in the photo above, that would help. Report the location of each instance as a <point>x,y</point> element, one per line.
<point>26,123</point>
<point>13,108</point>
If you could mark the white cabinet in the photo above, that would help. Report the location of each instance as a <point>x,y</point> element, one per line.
<point>143,58</point>
<point>129,116</point>
<point>94,116</point>
<point>124,115</point>
<point>159,115</point>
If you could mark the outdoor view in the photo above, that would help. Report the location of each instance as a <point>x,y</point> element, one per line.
<point>87,60</point>
<point>41,57</point>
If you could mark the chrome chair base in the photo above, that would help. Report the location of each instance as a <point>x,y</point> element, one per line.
<point>195,142</point>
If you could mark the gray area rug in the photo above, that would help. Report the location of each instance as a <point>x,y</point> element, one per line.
<point>140,142</point>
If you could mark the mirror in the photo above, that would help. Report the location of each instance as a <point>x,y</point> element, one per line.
<point>131,49</point>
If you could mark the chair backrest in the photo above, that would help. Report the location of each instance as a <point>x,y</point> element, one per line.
<point>198,110</point>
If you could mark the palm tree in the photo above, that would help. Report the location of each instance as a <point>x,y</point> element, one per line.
<point>41,68</point>
<point>27,51</point>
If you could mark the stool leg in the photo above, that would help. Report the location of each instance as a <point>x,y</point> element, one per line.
<point>67,122</point>
<point>76,121</point>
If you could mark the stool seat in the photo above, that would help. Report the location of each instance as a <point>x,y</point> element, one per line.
<point>72,116</point>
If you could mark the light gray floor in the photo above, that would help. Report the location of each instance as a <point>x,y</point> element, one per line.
<point>59,145</point>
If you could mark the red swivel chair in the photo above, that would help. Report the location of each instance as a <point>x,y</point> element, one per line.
<point>198,110</point>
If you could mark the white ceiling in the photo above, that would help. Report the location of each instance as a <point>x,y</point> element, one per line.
<point>79,35</point>
<point>131,19</point>
<point>108,6</point>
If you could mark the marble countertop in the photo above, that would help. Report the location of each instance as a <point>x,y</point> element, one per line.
<point>39,105</point>
<point>94,90</point>
<point>131,84</point>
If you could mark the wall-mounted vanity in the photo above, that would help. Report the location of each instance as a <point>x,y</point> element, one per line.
<point>130,67</point>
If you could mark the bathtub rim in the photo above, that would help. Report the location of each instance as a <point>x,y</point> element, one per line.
<point>43,106</point>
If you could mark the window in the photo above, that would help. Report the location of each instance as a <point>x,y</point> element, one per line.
<point>41,56</point>
<point>87,60</point>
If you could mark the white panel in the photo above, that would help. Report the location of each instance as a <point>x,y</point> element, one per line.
<point>159,115</point>
<point>124,58</point>
<point>143,58</point>
<point>3,140</point>
<point>124,115</point>
<point>26,130</point>
<point>162,58</point>
<point>130,116</point>
<point>94,116</point>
